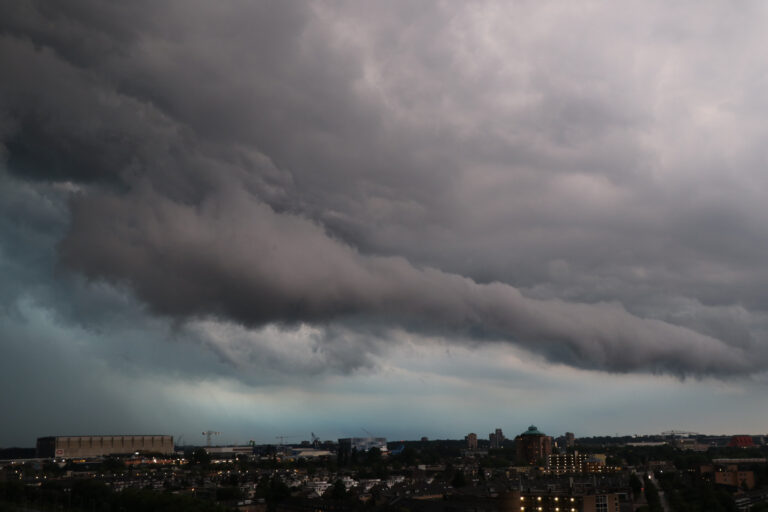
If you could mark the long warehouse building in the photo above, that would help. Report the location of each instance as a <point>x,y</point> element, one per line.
<point>68,447</point>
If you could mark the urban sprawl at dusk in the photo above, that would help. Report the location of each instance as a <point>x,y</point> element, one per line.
<point>531,471</point>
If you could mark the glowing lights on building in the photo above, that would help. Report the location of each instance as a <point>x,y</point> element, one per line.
<point>544,501</point>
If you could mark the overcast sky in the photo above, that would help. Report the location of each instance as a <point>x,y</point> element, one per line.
<point>417,219</point>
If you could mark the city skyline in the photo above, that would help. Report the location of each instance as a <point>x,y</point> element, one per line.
<point>557,443</point>
<point>414,220</point>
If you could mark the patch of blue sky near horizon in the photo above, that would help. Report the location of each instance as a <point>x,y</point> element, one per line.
<point>424,393</point>
<point>443,391</point>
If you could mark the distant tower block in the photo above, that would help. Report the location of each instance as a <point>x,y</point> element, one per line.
<point>471,441</point>
<point>496,438</point>
<point>533,446</point>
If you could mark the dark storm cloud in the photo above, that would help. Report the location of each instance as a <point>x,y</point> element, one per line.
<point>487,172</point>
<point>43,310</point>
<point>204,260</point>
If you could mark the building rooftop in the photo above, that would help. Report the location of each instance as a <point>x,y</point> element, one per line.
<point>533,431</point>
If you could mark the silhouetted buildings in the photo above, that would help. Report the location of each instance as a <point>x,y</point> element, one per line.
<point>362,444</point>
<point>741,442</point>
<point>730,475</point>
<point>568,480</point>
<point>533,446</point>
<point>496,438</point>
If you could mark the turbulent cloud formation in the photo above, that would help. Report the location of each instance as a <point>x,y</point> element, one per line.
<point>584,182</point>
<point>204,259</point>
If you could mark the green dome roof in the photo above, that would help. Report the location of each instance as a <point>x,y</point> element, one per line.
<point>533,431</point>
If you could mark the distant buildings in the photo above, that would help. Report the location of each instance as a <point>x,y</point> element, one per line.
<point>566,463</point>
<point>744,480</point>
<point>349,447</point>
<point>576,463</point>
<point>362,444</point>
<point>228,452</point>
<point>730,475</point>
<point>597,463</point>
<point>471,439</point>
<point>741,442</point>
<point>496,439</point>
<point>310,453</point>
<point>570,440</point>
<point>68,447</point>
<point>533,446</point>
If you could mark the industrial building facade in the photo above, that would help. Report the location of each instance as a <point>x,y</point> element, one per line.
<point>68,447</point>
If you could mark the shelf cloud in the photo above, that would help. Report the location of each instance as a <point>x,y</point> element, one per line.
<point>577,182</point>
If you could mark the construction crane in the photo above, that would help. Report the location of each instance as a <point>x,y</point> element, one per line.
<point>315,440</point>
<point>208,434</point>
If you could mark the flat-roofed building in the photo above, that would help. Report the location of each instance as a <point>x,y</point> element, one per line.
<point>68,447</point>
<point>564,463</point>
<point>731,476</point>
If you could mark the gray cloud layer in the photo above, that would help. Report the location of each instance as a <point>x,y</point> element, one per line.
<point>580,182</point>
<point>235,258</point>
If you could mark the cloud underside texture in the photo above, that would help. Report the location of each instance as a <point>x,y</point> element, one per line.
<point>233,257</point>
<point>271,163</point>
